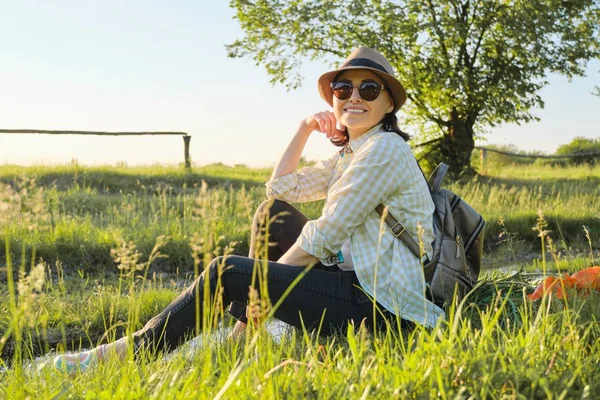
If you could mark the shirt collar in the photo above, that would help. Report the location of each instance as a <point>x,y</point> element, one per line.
<point>357,143</point>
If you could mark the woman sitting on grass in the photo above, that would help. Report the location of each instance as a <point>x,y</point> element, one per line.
<point>355,260</point>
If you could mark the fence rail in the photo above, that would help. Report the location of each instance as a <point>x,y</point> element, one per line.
<point>186,137</point>
<point>589,153</point>
<point>484,150</point>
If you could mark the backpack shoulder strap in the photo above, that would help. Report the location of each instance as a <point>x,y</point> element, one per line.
<point>399,231</point>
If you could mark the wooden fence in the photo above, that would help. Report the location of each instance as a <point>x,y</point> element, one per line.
<point>484,150</point>
<point>186,137</point>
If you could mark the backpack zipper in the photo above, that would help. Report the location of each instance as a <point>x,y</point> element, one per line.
<point>453,205</point>
<point>457,239</point>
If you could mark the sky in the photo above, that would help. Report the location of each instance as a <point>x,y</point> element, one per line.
<point>162,66</point>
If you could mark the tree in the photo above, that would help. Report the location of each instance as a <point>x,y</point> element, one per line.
<point>467,65</point>
<point>588,147</point>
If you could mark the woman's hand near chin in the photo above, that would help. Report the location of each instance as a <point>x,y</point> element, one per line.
<point>324,122</point>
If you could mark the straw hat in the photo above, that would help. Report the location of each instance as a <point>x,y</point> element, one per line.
<point>365,58</point>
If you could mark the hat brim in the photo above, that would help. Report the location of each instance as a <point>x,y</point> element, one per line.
<point>394,86</point>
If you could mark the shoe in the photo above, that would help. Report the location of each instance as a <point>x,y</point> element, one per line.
<point>77,362</point>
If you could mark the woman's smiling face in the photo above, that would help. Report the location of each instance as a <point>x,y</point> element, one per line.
<point>357,114</point>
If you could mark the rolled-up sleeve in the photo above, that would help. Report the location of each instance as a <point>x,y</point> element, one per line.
<point>306,184</point>
<point>370,178</point>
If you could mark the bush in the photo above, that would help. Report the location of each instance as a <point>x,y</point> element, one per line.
<point>581,145</point>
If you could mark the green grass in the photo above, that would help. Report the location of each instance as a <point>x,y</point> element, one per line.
<point>546,349</point>
<point>496,345</point>
<point>79,213</point>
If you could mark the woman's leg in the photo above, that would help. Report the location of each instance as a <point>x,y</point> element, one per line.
<point>282,234</point>
<point>321,298</point>
<point>285,228</point>
<point>330,298</point>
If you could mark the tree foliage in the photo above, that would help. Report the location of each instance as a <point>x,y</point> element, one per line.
<point>581,145</point>
<point>466,64</point>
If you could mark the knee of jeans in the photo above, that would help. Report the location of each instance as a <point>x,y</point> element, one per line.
<point>273,206</point>
<point>262,207</point>
<point>222,265</point>
<point>216,265</point>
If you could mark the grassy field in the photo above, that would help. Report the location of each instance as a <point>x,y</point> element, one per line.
<point>492,346</point>
<point>77,215</point>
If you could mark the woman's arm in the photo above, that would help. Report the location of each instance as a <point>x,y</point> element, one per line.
<point>290,158</point>
<point>324,122</point>
<point>296,256</point>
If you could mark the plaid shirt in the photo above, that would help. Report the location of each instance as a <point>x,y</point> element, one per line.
<point>378,167</point>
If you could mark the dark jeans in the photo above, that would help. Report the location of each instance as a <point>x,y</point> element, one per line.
<point>325,296</point>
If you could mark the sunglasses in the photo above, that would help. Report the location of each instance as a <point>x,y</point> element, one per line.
<point>368,90</point>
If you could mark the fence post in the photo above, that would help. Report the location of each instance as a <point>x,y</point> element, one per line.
<point>482,157</point>
<point>186,151</point>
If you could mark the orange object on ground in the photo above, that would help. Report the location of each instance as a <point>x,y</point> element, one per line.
<point>588,278</point>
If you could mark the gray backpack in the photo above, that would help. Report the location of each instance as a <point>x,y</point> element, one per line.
<point>458,245</point>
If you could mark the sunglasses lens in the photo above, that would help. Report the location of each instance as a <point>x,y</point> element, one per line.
<point>342,90</point>
<point>369,91</point>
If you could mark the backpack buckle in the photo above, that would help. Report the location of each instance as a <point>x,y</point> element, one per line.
<point>402,229</point>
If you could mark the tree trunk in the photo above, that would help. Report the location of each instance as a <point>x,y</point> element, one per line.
<point>458,145</point>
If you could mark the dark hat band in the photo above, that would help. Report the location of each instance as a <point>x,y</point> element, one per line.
<point>364,62</point>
